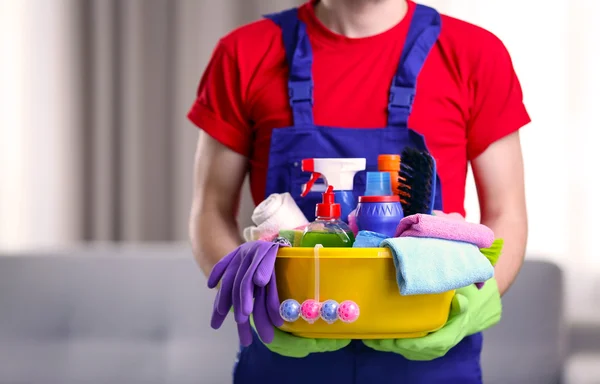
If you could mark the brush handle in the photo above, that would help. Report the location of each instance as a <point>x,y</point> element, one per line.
<point>433,185</point>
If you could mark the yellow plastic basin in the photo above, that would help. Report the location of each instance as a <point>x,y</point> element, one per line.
<point>367,277</point>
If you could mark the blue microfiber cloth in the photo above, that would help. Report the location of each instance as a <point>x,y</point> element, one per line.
<point>428,265</point>
<point>368,239</point>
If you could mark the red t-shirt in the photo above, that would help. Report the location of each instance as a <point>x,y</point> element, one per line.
<point>468,94</point>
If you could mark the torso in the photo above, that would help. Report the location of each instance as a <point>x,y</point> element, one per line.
<point>352,80</point>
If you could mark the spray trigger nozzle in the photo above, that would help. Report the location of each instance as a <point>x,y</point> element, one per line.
<point>328,196</point>
<point>310,183</point>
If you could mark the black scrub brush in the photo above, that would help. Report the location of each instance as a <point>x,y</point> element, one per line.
<point>416,182</point>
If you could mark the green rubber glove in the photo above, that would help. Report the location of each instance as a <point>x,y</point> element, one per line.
<point>493,253</point>
<point>472,311</point>
<point>286,344</point>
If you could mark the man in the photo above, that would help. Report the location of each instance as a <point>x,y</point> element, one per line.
<point>323,73</point>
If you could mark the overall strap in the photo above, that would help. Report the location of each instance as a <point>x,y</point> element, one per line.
<point>422,35</point>
<point>299,58</point>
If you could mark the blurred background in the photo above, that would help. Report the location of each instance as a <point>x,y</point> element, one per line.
<point>95,148</point>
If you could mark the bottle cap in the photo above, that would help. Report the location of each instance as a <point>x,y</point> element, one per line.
<point>329,208</point>
<point>378,184</point>
<point>379,199</point>
<point>388,163</point>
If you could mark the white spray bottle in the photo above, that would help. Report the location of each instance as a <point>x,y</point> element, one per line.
<point>339,173</point>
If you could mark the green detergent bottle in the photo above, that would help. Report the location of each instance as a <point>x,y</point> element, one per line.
<point>328,229</point>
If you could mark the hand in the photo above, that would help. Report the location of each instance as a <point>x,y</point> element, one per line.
<point>286,344</point>
<point>247,283</point>
<point>472,311</point>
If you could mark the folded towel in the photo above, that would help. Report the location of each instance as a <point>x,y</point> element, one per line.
<point>368,239</point>
<point>451,215</point>
<point>442,227</point>
<point>278,211</point>
<point>428,265</point>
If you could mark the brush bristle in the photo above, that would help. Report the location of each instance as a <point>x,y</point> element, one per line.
<point>415,179</point>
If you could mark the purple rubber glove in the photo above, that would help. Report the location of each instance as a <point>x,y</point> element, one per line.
<point>248,284</point>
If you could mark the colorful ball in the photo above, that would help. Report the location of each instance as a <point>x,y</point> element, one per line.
<point>310,310</point>
<point>329,311</point>
<point>289,310</point>
<point>348,311</point>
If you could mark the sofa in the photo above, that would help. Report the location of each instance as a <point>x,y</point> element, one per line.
<point>140,314</point>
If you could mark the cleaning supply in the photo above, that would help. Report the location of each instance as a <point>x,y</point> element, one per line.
<point>246,280</point>
<point>472,311</point>
<point>451,215</point>
<point>329,311</point>
<point>417,182</point>
<point>378,184</point>
<point>366,276</point>
<point>338,173</point>
<point>276,212</point>
<point>493,252</point>
<point>441,227</point>
<point>378,210</point>
<point>294,236</point>
<point>282,241</point>
<point>352,222</point>
<point>348,311</point>
<point>368,239</point>
<point>328,230</point>
<point>427,265</point>
<point>390,164</point>
<point>290,310</point>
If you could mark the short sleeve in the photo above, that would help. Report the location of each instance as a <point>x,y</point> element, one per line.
<point>219,108</point>
<point>497,108</point>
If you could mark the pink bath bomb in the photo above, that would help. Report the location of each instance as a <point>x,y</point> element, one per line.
<point>348,311</point>
<point>310,310</point>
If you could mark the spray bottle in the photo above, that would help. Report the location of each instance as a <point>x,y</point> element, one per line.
<point>328,230</point>
<point>338,173</point>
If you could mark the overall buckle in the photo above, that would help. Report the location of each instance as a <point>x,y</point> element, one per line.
<point>401,97</point>
<point>300,91</point>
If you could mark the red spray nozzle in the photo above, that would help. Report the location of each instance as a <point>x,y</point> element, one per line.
<point>308,186</point>
<point>329,208</point>
<point>328,196</point>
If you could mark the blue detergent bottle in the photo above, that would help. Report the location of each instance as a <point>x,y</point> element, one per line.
<point>378,209</point>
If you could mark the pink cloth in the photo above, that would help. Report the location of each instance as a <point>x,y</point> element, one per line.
<point>444,227</point>
<point>270,236</point>
<point>451,215</point>
<point>352,222</point>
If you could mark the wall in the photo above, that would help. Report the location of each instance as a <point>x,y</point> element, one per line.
<point>39,111</point>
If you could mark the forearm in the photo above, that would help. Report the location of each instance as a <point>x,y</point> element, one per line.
<point>512,227</point>
<point>213,235</point>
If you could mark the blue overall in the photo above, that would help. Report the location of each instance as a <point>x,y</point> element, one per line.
<point>356,364</point>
